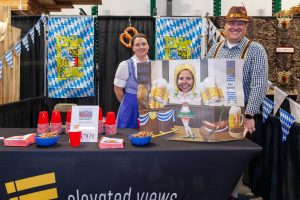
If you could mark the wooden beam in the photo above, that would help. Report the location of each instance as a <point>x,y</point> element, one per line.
<point>10,82</point>
<point>13,4</point>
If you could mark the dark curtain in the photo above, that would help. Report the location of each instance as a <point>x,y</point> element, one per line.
<point>32,61</point>
<point>23,113</point>
<point>275,174</point>
<point>111,52</point>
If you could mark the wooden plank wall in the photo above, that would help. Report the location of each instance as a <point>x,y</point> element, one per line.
<point>10,82</point>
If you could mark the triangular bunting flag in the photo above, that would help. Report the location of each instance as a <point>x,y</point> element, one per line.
<point>270,85</point>
<point>286,120</point>
<point>279,97</point>
<point>25,42</point>
<point>267,106</point>
<point>31,32</point>
<point>295,110</point>
<point>18,48</point>
<point>204,34</point>
<point>38,27</point>
<point>0,68</point>
<point>8,57</point>
<point>44,19</point>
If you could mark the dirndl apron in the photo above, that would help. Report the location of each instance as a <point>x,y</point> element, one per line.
<point>128,111</point>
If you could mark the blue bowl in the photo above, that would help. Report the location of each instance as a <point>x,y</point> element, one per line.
<point>46,142</point>
<point>139,141</point>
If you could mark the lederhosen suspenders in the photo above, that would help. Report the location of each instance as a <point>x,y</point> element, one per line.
<point>243,55</point>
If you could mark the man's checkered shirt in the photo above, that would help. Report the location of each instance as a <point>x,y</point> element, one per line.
<point>255,71</point>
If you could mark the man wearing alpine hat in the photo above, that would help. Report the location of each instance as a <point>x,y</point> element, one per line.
<point>255,69</point>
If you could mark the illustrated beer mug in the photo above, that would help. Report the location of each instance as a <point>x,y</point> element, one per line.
<point>204,94</point>
<point>236,119</point>
<point>211,89</point>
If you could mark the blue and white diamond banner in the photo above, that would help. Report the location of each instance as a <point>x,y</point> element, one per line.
<point>70,57</point>
<point>178,38</point>
<point>286,120</point>
<point>267,106</point>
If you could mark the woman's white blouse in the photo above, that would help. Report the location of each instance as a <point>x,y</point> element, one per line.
<point>122,74</point>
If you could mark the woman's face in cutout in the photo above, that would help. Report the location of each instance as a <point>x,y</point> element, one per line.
<point>185,81</point>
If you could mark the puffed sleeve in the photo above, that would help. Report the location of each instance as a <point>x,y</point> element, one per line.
<point>121,75</point>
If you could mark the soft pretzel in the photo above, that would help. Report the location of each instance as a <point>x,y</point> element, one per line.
<point>131,29</point>
<point>127,37</point>
<point>128,33</point>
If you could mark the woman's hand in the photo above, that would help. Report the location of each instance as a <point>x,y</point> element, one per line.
<point>119,93</point>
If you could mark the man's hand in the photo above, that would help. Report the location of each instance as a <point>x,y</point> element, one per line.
<point>249,125</point>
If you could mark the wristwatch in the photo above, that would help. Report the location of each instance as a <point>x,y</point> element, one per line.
<point>248,116</point>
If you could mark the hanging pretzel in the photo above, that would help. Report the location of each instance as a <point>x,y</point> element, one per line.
<point>128,33</point>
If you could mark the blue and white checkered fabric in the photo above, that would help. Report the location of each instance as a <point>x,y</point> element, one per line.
<point>8,58</point>
<point>83,29</point>
<point>31,33</point>
<point>189,28</point>
<point>25,42</point>
<point>286,120</point>
<point>267,106</point>
<point>0,68</point>
<point>18,48</point>
<point>255,71</point>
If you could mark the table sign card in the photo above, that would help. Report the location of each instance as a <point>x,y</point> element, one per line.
<point>86,119</point>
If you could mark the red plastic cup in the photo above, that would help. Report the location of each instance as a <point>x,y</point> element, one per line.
<point>56,116</point>
<point>75,137</point>
<point>100,117</point>
<point>110,118</point>
<point>69,114</point>
<point>43,117</point>
<point>68,120</point>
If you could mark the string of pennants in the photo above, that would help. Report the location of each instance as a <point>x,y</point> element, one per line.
<point>213,33</point>
<point>8,56</point>
<point>286,119</point>
<point>209,31</point>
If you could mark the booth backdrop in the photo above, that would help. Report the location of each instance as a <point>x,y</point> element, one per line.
<point>111,52</point>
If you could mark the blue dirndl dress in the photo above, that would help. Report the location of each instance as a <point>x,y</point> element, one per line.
<point>128,111</point>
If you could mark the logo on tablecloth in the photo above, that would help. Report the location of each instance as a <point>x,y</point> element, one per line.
<point>21,185</point>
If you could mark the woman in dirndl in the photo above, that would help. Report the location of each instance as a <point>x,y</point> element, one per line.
<point>126,85</point>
